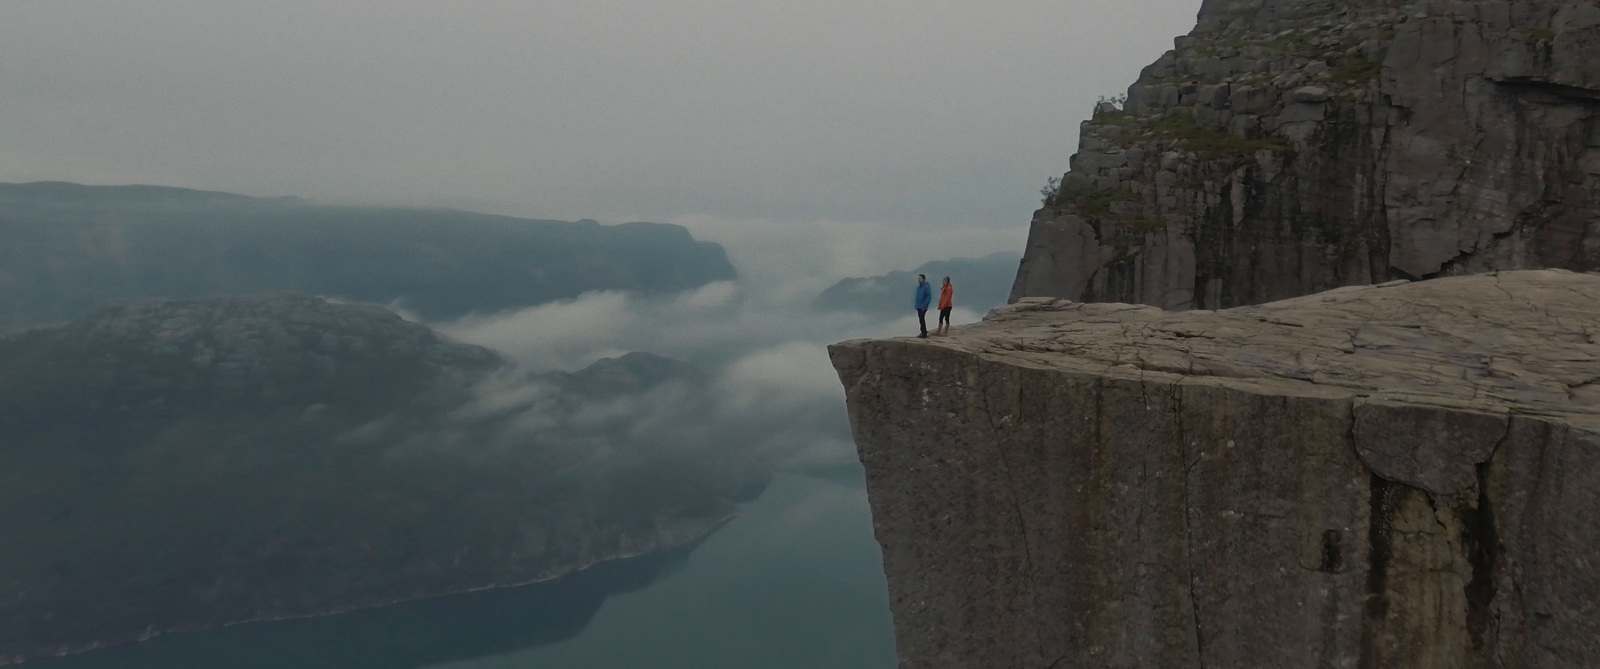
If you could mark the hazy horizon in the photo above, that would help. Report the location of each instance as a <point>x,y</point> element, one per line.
<point>933,116</point>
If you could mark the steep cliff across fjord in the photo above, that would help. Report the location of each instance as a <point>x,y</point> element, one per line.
<point>1401,475</point>
<point>1291,146</point>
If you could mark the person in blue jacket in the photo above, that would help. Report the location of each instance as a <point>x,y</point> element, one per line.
<point>924,300</point>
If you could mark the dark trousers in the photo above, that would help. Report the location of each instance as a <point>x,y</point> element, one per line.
<point>922,318</point>
<point>944,315</point>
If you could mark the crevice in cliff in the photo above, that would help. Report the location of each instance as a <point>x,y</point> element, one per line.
<point>1457,265</point>
<point>1541,86</point>
<point>1481,541</point>
<point>1016,508</point>
<point>1188,531</point>
<point>1380,547</point>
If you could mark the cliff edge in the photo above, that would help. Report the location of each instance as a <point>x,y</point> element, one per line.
<point>1290,146</point>
<point>1400,475</point>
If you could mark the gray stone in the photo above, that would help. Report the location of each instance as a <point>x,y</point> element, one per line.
<point>1449,144</point>
<point>1316,94</point>
<point>1405,475</point>
<point>1300,112</point>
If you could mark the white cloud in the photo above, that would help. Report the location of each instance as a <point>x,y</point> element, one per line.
<point>772,395</point>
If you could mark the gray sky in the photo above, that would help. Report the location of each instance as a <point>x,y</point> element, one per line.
<point>933,113</point>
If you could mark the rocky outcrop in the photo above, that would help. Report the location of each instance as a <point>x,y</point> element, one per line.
<point>1402,475</point>
<point>1291,146</point>
<point>178,465</point>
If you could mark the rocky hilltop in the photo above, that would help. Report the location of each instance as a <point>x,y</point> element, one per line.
<point>1401,475</point>
<point>1291,146</point>
<point>173,465</point>
<point>68,249</point>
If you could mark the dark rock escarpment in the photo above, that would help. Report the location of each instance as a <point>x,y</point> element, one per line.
<point>1291,146</point>
<point>1379,476</point>
<point>177,465</point>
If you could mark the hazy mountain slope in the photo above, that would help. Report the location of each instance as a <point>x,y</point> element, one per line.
<point>173,465</point>
<point>66,249</point>
<point>981,284</point>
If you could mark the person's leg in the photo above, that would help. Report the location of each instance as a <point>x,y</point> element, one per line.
<point>922,319</point>
<point>944,320</point>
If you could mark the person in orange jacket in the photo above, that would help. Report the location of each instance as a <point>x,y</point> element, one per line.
<point>946,295</point>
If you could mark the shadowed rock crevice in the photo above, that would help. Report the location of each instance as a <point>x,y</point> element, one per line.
<point>1379,552</point>
<point>1482,543</point>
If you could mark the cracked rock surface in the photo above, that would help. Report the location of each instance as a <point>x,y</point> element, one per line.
<point>1286,147</point>
<point>1402,475</point>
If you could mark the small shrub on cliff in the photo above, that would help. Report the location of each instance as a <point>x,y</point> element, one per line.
<point>1051,191</point>
<point>1210,142</point>
<point>1089,199</point>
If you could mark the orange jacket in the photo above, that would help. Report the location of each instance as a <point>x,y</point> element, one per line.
<point>945,295</point>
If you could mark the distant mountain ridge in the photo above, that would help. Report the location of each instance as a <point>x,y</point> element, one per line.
<point>172,465</point>
<point>67,249</point>
<point>981,284</point>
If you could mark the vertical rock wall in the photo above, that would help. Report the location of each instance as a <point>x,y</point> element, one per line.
<point>1291,146</point>
<point>1377,477</point>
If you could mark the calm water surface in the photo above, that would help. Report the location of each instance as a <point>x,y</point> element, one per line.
<point>796,582</point>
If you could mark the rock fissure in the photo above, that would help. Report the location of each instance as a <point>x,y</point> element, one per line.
<point>1016,494</point>
<point>1181,437</point>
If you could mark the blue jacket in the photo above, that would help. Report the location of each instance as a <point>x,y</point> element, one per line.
<point>924,295</point>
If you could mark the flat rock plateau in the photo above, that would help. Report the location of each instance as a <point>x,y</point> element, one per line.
<point>1400,475</point>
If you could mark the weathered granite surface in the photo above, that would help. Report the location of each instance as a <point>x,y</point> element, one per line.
<point>1402,475</point>
<point>1290,146</point>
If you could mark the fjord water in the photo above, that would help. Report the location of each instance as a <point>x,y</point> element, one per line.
<point>795,582</point>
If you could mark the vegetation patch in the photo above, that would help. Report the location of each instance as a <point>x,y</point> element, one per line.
<point>1536,35</point>
<point>1089,199</point>
<point>1201,139</point>
<point>1117,118</point>
<point>1211,142</point>
<point>1355,70</point>
<point>1143,223</point>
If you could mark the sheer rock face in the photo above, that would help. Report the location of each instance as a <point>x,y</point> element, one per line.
<point>1291,146</point>
<point>1402,475</point>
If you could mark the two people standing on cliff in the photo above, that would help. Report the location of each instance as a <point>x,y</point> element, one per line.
<point>924,299</point>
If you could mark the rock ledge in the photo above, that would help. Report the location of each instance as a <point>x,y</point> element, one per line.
<point>1399,475</point>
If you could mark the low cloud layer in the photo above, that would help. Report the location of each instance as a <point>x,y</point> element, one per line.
<point>770,392</point>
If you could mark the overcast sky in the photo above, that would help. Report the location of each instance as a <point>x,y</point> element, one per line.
<point>933,113</point>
